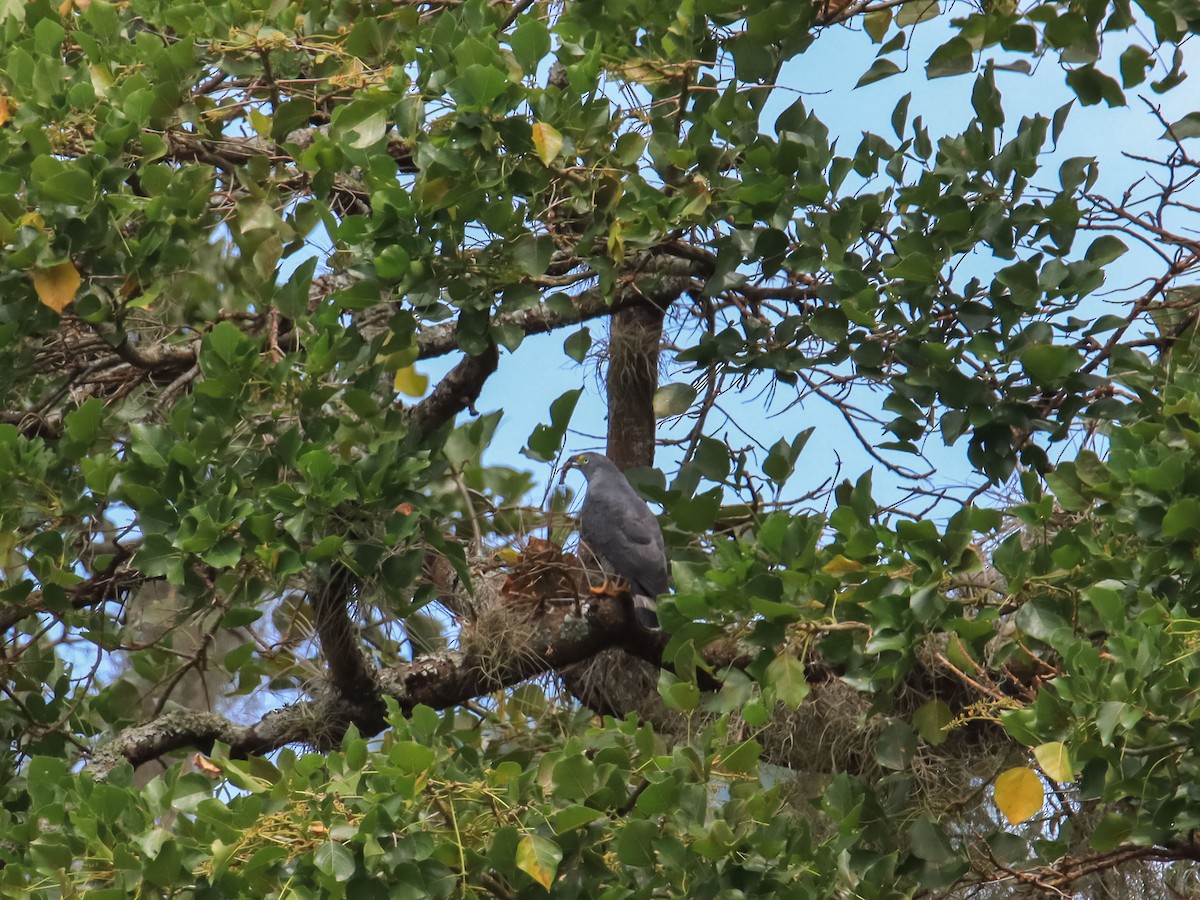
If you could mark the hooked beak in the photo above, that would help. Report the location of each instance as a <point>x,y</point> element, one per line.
<point>570,464</point>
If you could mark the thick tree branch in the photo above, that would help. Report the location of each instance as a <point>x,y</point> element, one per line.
<point>440,339</point>
<point>231,152</point>
<point>560,634</point>
<point>635,335</point>
<point>154,357</point>
<point>351,674</point>
<point>457,391</point>
<point>647,277</point>
<point>30,424</point>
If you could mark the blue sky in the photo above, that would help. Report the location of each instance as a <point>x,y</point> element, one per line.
<point>538,372</point>
<point>825,76</point>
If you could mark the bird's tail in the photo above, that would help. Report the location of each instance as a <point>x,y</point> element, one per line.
<point>643,612</point>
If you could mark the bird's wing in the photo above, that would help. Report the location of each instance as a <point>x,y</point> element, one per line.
<point>620,517</point>
<point>621,529</point>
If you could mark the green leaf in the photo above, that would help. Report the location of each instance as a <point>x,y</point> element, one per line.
<point>635,844</point>
<point>985,98</point>
<point>334,859</point>
<point>955,57</point>
<point>574,778</point>
<point>325,549</point>
<point>1110,832</point>
<point>880,69</point>
<point>228,343</point>
<point>393,263</point>
<point>1105,249</point>
<point>573,817</point>
<point>1174,77</point>
<point>786,676</point>
<point>1048,364</point>
<point>629,148</point>
<point>781,460</point>
<point>1091,86</point>
<point>577,344</point>
<point>929,841</point>
<point>1114,714</point>
<point>932,721</point>
<point>1041,620</point>
<point>916,12</point>
<point>876,24</point>
<point>740,759</point>
<point>533,253</point>
<point>360,125</point>
<point>412,757</point>
<point>676,694</point>
<point>1134,63</point>
<point>83,423</point>
<point>530,43</point>
<point>45,777</point>
<point>897,746</point>
<point>1182,521</point>
<point>673,400</point>
<point>1107,599</point>
<point>900,115</point>
<point>546,440</point>
<point>478,86</point>
<point>1187,127</point>
<point>61,182</point>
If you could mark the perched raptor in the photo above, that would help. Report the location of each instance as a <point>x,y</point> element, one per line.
<point>619,529</point>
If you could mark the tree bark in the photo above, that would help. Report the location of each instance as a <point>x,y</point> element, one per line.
<point>635,335</point>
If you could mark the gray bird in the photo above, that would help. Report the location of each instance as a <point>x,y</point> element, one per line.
<point>619,529</point>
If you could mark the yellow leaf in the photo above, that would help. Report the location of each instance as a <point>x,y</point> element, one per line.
<point>698,195</point>
<point>547,140</point>
<point>538,857</point>
<point>1019,794</point>
<point>4,109</point>
<point>205,766</point>
<point>432,191</point>
<point>57,285</point>
<point>1055,760</point>
<point>409,381</point>
<point>261,122</point>
<point>102,80</point>
<point>616,242</point>
<point>840,565</point>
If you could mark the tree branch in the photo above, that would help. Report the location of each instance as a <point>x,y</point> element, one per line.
<point>352,675</point>
<point>560,634</point>
<point>31,424</point>
<point>440,339</point>
<point>230,152</point>
<point>108,584</point>
<point>457,391</point>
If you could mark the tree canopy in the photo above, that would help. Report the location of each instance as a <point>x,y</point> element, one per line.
<point>274,621</point>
